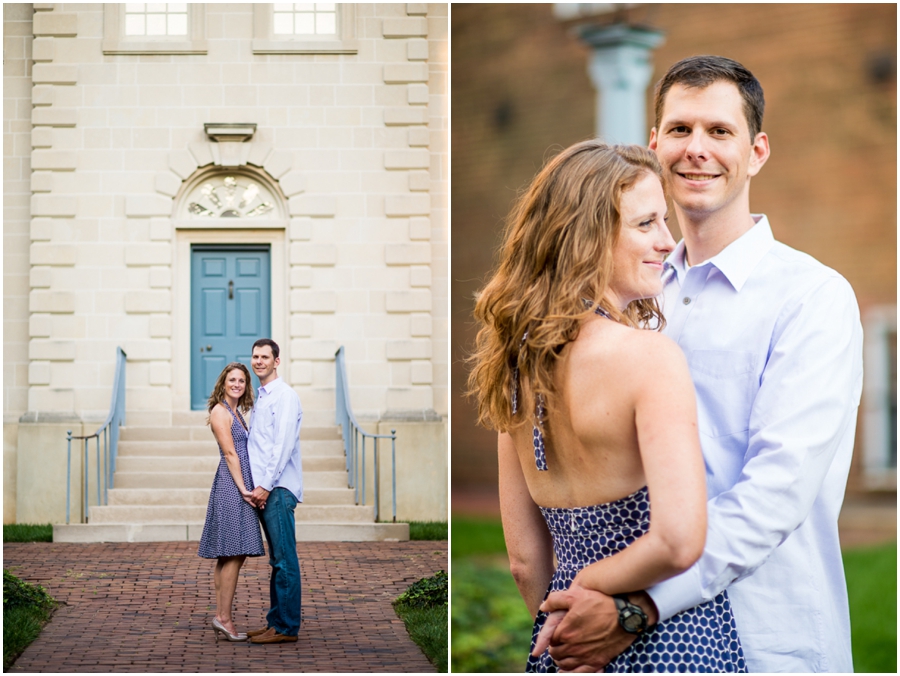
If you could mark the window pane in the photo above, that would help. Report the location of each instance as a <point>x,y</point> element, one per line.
<point>304,6</point>
<point>284,7</point>
<point>179,7</point>
<point>177,24</point>
<point>156,7</point>
<point>283,24</point>
<point>325,23</point>
<point>134,24</point>
<point>325,6</point>
<point>134,7</point>
<point>305,24</point>
<point>156,24</point>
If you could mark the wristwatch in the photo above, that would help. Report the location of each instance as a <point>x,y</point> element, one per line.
<point>631,617</point>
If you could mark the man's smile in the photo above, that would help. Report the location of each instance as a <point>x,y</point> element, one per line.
<point>697,177</point>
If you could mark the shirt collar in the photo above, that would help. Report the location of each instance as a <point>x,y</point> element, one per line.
<point>270,386</point>
<point>736,261</point>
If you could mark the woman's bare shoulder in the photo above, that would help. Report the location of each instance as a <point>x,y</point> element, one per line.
<point>609,347</point>
<point>219,415</point>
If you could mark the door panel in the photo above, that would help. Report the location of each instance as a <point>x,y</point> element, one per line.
<point>230,309</point>
<point>248,315</point>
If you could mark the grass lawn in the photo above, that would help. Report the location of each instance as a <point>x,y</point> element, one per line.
<point>423,609</point>
<point>491,628</point>
<point>427,530</point>
<point>872,587</point>
<point>27,532</point>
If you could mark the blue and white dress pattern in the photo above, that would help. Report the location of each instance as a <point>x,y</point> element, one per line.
<point>702,639</point>
<point>232,527</point>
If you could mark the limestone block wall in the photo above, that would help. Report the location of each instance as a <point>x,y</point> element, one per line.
<point>357,143</point>
<point>17,91</point>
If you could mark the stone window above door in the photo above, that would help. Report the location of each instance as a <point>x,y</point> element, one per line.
<point>304,28</point>
<point>154,28</point>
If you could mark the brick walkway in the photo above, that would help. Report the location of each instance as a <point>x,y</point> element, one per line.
<point>147,607</point>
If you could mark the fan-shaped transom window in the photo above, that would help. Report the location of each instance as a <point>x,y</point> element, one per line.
<point>230,195</point>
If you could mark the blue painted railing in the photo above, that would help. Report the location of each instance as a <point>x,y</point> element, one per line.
<point>109,430</point>
<point>355,442</point>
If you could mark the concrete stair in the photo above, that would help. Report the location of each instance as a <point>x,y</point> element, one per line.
<point>164,475</point>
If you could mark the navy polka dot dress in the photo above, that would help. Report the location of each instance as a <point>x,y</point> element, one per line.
<point>701,639</point>
<point>231,528</point>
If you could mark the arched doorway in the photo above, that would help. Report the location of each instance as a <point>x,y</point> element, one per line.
<point>230,278</point>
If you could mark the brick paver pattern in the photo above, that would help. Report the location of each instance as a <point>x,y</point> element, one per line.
<point>147,607</point>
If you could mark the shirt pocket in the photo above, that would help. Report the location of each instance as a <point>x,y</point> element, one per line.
<point>726,385</point>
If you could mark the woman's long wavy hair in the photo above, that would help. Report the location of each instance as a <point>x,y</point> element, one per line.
<point>245,403</point>
<point>557,253</point>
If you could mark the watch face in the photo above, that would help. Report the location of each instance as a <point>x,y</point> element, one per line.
<point>633,622</point>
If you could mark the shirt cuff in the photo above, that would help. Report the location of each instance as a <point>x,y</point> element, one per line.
<point>677,593</point>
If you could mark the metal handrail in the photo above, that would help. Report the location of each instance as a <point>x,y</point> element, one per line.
<point>353,450</point>
<point>110,431</point>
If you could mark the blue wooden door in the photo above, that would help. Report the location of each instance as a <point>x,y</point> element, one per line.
<point>230,309</point>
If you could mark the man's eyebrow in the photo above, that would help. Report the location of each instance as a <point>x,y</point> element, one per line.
<point>682,123</point>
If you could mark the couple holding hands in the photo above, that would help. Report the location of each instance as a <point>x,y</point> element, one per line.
<point>259,481</point>
<point>670,498</point>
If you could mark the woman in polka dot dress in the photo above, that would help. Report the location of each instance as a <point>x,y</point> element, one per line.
<point>596,414</point>
<point>231,532</point>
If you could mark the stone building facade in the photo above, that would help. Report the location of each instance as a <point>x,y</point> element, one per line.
<point>318,161</point>
<point>522,90</point>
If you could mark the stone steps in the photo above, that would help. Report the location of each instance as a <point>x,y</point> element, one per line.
<point>184,514</point>
<point>306,532</point>
<point>164,475</point>
<point>209,448</point>
<point>182,497</point>
<point>203,433</point>
<point>203,479</point>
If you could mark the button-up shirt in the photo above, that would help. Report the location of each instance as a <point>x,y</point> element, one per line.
<point>274,441</point>
<point>774,344</point>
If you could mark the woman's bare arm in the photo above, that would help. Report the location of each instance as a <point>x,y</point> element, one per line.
<point>220,421</point>
<point>666,422</point>
<point>528,542</point>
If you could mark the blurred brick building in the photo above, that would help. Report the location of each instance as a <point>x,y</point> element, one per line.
<point>521,90</point>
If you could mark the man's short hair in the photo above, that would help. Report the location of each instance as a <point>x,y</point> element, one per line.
<point>267,341</point>
<point>702,71</point>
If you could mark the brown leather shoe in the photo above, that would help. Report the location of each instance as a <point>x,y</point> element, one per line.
<point>257,632</point>
<point>272,636</point>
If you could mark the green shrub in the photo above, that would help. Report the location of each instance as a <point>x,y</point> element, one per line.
<point>490,625</point>
<point>426,593</point>
<point>18,593</point>
<point>26,609</point>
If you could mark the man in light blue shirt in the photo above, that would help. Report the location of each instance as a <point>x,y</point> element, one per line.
<point>774,344</point>
<point>274,450</point>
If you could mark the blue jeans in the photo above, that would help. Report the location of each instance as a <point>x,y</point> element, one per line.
<point>278,525</point>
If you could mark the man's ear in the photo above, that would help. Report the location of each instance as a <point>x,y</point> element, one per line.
<point>759,153</point>
<point>652,144</point>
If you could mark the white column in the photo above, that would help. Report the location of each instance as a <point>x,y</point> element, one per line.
<point>620,69</point>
